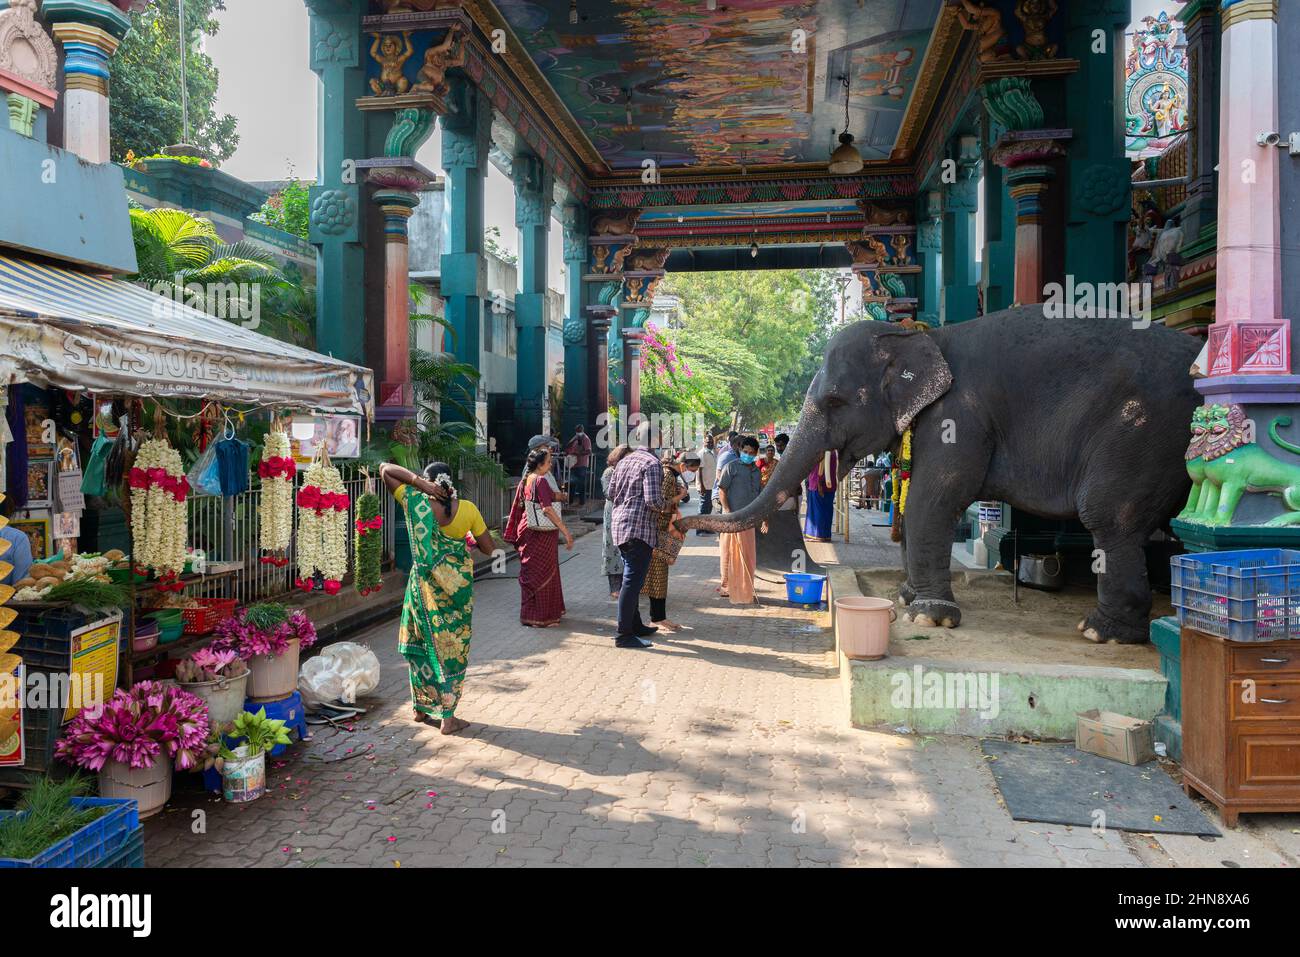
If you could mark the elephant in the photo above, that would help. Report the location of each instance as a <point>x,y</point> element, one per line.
<point>1062,418</point>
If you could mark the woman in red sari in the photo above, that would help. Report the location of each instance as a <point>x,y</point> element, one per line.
<point>542,593</point>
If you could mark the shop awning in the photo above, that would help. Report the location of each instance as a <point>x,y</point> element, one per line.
<point>70,330</point>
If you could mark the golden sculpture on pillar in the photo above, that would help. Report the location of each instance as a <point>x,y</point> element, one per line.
<point>1035,14</point>
<point>391,54</point>
<point>986,23</point>
<point>438,60</point>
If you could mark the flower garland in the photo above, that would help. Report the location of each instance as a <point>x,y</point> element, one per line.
<point>901,480</point>
<point>369,544</point>
<point>322,528</point>
<point>275,511</point>
<point>159,517</point>
<point>139,727</point>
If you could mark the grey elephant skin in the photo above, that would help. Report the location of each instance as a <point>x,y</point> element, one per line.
<point>1062,418</point>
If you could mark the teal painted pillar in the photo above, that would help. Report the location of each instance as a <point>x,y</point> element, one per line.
<point>466,136</point>
<point>929,248</point>
<point>577,358</point>
<point>534,194</point>
<point>1096,232</point>
<point>999,240</point>
<point>960,295</point>
<point>336,201</point>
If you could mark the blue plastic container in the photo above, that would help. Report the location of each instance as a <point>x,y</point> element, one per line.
<point>290,710</point>
<point>1251,594</point>
<point>100,841</point>
<point>804,589</point>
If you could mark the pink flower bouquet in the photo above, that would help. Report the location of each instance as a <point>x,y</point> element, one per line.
<point>209,664</point>
<point>139,727</point>
<point>264,629</point>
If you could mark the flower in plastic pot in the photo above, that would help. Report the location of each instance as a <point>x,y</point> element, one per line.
<point>243,766</point>
<point>269,637</point>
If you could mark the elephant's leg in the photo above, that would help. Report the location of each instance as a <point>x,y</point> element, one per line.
<point>931,523</point>
<point>1229,495</point>
<point>905,590</point>
<point>1123,591</point>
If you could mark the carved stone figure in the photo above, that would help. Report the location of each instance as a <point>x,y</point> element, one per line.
<point>647,258</point>
<point>1219,480</point>
<point>877,380</point>
<point>438,60</point>
<point>884,216</point>
<point>616,222</point>
<point>25,48</point>
<point>986,23</point>
<point>391,54</point>
<point>1035,15</point>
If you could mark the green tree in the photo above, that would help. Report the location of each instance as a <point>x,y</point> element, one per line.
<point>287,209</point>
<point>146,85</point>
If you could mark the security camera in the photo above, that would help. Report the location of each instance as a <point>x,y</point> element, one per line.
<point>1269,139</point>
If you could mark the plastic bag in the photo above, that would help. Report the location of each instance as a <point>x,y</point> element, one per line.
<point>341,672</point>
<point>205,477</point>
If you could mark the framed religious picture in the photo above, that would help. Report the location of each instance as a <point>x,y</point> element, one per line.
<point>40,483</point>
<point>37,529</point>
<point>40,444</point>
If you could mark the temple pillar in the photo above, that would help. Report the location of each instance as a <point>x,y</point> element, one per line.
<point>1097,172</point>
<point>1201,27</point>
<point>466,136</point>
<point>999,259</point>
<point>611,241</point>
<point>578,380</point>
<point>959,297</point>
<point>90,31</point>
<point>929,246</point>
<point>336,206</point>
<point>534,195</point>
<point>598,374</point>
<point>1027,160</point>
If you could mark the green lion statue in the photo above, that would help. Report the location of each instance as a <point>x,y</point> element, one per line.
<point>1224,463</point>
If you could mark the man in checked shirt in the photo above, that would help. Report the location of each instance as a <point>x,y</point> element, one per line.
<point>636,491</point>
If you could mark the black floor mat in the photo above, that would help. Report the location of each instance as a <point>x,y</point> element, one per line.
<point>1059,784</point>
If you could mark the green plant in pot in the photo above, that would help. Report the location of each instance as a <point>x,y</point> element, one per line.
<point>243,766</point>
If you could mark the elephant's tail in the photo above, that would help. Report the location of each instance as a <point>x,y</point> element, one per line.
<point>1284,421</point>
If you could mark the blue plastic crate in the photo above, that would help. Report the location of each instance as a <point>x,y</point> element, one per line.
<point>131,853</point>
<point>45,635</point>
<point>95,843</point>
<point>1245,595</point>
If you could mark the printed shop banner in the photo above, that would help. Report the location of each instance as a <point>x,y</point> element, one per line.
<point>68,354</point>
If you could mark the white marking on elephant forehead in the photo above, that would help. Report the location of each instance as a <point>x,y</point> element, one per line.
<point>1133,413</point>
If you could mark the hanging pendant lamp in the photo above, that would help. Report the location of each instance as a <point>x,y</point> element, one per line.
<point>846,158</point>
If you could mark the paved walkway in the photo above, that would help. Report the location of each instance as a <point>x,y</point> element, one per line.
<point>723,745</point>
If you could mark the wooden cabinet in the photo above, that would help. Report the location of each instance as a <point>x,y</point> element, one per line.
<point>1241,723</point>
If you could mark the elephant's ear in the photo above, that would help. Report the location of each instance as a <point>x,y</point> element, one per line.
<point>915,373</point>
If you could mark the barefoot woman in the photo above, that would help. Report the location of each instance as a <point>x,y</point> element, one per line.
<point>436,615</point>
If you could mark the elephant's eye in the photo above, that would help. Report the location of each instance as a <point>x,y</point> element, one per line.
<point>834,401</point>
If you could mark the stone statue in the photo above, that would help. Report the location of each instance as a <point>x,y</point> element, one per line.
<point>1035,14</point>
<point>441,58</point>
<point>619,222</point>
<point>1165,256</point>
<point>986,23</point>
<point>644,258</point>
<point>1219,480</point>
<point>883,216</point>
<point>391,54</point>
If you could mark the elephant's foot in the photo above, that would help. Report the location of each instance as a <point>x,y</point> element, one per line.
<point>1104,629</point>
<point>906,593</point>
<point>933,612</point>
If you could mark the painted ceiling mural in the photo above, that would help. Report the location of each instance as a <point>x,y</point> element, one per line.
<point>750,82</point>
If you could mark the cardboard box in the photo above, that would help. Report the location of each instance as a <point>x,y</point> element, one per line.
<point>1115,736</point>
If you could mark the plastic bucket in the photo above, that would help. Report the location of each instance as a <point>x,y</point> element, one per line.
<point>224,697</point>
<point>150,788</point>
<point>243,778</point>
<point>862,626</point>
<point>804,589</point>
<point>274,678</point>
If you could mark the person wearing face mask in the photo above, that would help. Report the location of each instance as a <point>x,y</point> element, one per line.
<point>738,485</point>
<point>656,580</point>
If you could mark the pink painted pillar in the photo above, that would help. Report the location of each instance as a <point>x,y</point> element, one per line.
<point>396,399</point>
<point>1027,157</point>
<point>1249,335</point>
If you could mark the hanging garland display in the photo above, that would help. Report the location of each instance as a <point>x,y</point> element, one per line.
<point>322,527</point>
<point>369,544</point>
<point>275,511</point>
<point>902,481</point>
<point>159,516</point>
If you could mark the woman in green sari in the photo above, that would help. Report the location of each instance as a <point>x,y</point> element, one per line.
<point>439,606</point>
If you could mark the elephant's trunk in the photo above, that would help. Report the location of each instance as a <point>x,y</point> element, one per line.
<point>806,444</point>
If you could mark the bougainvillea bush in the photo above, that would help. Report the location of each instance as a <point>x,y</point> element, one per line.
<point>151,721</point>
<point>264,629</point>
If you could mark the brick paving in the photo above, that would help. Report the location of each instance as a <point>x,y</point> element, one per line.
<point>724,745</point>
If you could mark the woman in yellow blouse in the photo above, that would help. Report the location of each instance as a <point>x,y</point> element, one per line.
<point>438,609</point>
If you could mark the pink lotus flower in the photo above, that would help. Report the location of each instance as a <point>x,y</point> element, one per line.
<point>246,640</point>
<point>138,727</point>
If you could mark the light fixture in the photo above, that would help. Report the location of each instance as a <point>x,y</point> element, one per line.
<point>846,158</point>
<point>573,11</point>
<point>753,244</point>
<point>753,250</point>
